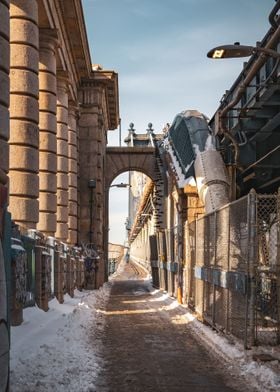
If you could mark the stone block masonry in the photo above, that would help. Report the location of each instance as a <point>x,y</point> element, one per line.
<point>4,83</point>
<point>24,113</point>
<point>47,138</point>
<point>44,64</point>
<point>73,173</point>
<point>62,157</point>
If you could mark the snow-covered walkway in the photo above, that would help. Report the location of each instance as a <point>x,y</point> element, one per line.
<point>61,350</point>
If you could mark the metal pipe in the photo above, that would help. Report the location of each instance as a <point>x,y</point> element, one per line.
<point>211,180</point>
<point>274,23</point>
<point>90,215</point>
<point>252,260</point>
<point>242,87</point>
<point>120,132</point>
<point>278,269</point>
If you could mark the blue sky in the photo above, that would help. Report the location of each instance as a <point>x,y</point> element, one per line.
<point>158,48</point>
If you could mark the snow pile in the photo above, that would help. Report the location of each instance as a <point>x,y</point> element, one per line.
<point>56,350</point>
<point>262,376</point>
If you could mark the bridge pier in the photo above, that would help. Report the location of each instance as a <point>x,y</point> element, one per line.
<point>92,134</point>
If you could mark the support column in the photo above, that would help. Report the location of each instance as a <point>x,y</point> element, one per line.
<point>5,90</point>
<point>4,166</point>
<point>47,135</point>
<point>72,176</point>
<point>24,114</point>
<point>62,157</point>
<point>78,188</point>
<point>92,143</point>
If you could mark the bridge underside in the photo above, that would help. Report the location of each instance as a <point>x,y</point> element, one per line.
<point>122,159</point>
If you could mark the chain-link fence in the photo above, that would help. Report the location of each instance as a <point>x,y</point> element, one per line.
<point>267,270</point>
<point>233,269</point>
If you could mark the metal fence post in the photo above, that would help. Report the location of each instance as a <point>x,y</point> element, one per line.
<point>228,310</point>
<point>215,259</point>
<point>252,256</point>
<point>278,267</point>
<point>195,264</point>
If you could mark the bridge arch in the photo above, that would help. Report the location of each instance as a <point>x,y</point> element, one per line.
<point>122,159</point>
<point>119,160</point>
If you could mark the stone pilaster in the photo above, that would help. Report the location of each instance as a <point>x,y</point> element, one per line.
<point>5,90</point>
<point>62,157</point>
<point>72,176</point>
<point>47,134</point>
<point>78,187</point>
<point>4,167</point>
<point>24,113</point>
<point>92,143</point>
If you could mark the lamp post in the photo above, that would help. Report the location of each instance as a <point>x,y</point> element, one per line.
<point>121,185</point>
<point>120,132</point>
<point>237,50</point>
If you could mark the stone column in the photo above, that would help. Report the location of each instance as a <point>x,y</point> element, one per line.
<point>5,90</point>
<point>72,176</point>
<point>62,157</point>
<point>47,135</point>
<point>24,114</point>
<point>78,187</point>
<point>4,165</point>
<point>92,144</point>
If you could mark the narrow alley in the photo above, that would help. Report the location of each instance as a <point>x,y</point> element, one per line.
<point>127,336</point>
<point>148,346</point>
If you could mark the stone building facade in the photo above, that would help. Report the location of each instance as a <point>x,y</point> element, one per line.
<point>55,111</point>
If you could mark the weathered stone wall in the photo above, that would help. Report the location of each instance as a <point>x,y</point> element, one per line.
<point>48,60</point>
<point>4,166</point>
<point>62,157</point>
<point>47,137</point>
<point>24,113</point>
<point>73,174</point>
<point>5,89</point>
<point>92,138</point>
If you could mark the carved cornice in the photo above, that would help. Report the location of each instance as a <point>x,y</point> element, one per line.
<point>48,39</point>
<point>74,24</point>
<point>91,94</point>
<point>62,81</point>
<point>73,52</point>
<point>73,109</point>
